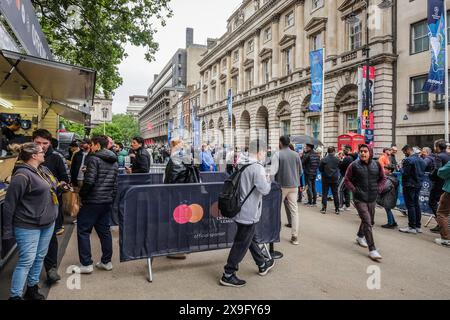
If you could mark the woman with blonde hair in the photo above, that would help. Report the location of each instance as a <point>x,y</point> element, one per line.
<point>30,211</point>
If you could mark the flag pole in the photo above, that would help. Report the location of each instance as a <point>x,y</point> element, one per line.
<point>322,125</point>
<point>446,75</point>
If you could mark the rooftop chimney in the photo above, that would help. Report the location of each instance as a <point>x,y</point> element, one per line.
<point>189,37</point>
<point>155,76</point>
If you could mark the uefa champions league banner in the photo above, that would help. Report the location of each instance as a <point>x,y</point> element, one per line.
<point>316,63</point>
<point>438,44</point>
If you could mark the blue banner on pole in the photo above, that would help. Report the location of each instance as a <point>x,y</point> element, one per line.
<point>230,105</point>
<point>438,43</point>
<point>169,130</point>
<point>316,62</point>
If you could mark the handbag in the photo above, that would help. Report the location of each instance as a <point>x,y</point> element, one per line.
<point>71,203</point>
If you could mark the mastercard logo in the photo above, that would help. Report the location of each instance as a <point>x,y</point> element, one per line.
<point>188,214</point>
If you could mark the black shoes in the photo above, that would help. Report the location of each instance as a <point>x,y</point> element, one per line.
<point>337,211</point>
<point>53,276</point>
<point>389,226</point>
<point>267,266</point>
<point>288,225</point>
<point>436,229</point>
<point>33,293</point>
<point>324,210</point>
<point>15,298</point>
<point>232,281</point>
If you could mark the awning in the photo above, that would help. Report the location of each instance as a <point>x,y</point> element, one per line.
<point>67,89</point>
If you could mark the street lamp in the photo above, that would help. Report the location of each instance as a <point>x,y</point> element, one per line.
<point>353,19</point>
<point>105,116</point>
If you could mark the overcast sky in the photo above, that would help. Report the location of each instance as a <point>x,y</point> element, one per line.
<point>207,17</point>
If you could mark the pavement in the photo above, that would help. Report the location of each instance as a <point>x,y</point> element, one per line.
<point>326,265</point>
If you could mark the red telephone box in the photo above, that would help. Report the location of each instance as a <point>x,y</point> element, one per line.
<point>352,139</point>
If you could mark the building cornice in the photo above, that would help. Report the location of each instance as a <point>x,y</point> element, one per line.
<point>230,37</point>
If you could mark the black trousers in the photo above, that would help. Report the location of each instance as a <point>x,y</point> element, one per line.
<point>326,185</point>
<point>94,216</point>
<point>311,184</point>
<point>243,241</point>
<point>435,196</point>
<point>412,203</point>
<point>51,259</point>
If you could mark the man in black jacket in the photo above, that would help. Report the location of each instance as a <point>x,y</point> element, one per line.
<point>97,195</point>
<point>140,159</point>
<point>441,157</point>
<point>329,167</point>
<point>57,165</point>
<point>343,166</point>
<point>79,160</point>
<point>310,164</point>
<point>366,179</point>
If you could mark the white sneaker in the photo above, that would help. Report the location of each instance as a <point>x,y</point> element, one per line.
<point>84,269</point>
<point>408,230</point>
<point>362,242</point>
<point>374,255</point>
<point>107,267</point>
<point>442,242</point>
<point>346,208</point>
<point>419,230</point>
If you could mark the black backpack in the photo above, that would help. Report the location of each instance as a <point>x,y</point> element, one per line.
<point>229,199</point>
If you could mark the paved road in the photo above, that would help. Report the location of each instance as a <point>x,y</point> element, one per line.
<point>326,265</point>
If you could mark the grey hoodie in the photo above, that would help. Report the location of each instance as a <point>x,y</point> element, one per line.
<point>28,202</point>
<point>254,175</point>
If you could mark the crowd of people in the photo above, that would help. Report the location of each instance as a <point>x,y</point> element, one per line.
<point>33,206</point>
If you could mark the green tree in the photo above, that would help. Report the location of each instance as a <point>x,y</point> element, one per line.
<point>73,127</point>
<point>111,129</point>
<point>93,34</point>
<point>128,126</point>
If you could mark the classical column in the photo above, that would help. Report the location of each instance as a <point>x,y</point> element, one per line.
<point>228,81</point>
<point>241,67</point>
<point>202,104</point>
<point>275,47</point>
<point>331,44</point>
<point>256,66</point>
<point>300,42</point>
<point>218,84</point>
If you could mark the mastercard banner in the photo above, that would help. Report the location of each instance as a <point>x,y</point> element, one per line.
<point>158,220</point>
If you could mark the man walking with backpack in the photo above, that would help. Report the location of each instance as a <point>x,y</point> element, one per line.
<point>253,185</point>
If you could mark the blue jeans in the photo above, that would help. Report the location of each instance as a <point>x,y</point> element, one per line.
<point>390,217</point>
<point>32,245</point>
<point>411,195</point>
<point>96,216</point>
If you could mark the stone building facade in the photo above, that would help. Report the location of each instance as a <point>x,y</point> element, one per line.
<point>264,59</point>
<point>136,104</point>
<point>167,89</point>
<point>420,116</point>
<point>101,110</point>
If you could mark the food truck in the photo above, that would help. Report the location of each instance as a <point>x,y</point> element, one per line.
<point>34,88</point>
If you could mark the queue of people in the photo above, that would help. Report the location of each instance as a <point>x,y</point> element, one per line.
<point>42,175</point>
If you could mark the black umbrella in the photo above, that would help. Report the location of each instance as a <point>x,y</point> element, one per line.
<point>303,139</point>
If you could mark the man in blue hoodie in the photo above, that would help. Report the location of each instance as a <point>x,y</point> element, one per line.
<point>413,170</point>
